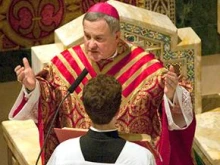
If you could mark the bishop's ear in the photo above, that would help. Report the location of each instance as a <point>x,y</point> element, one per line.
<point>117,35</point>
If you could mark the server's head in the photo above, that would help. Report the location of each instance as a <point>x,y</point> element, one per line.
<point>102,98</point>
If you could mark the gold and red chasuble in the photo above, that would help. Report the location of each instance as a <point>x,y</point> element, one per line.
<point>139,73</point>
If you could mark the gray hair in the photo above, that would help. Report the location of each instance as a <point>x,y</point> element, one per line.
<point>113,23</point>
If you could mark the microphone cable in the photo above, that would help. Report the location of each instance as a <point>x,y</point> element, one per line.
<point>70,90</point>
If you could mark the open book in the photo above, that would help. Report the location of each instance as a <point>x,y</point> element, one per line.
<point>141,139</point>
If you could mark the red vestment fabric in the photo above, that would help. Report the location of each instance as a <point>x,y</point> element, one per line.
<point>142,109</point>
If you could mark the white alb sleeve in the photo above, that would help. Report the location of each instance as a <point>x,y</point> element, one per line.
<point>183,98</point>
<point>30,108</point>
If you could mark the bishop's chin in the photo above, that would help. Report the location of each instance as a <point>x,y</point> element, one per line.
<point>94,58</point>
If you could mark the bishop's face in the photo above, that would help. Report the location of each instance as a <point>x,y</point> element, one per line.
<point>99,42</point>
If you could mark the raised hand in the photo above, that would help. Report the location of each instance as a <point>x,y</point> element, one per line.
<point>171,82</point>
<point>25,75</point>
